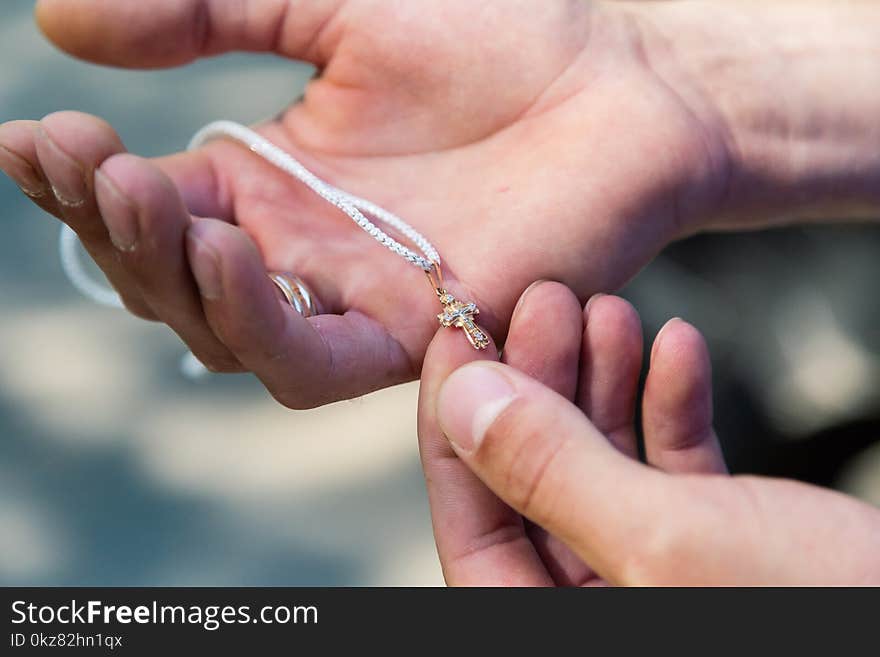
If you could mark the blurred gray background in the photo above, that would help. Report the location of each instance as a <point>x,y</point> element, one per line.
<point>115,470</point>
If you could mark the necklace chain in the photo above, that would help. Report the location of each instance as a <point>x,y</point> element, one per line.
<point>351,205</point>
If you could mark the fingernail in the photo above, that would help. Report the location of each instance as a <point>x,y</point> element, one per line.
<point>659,337</point>
<point>119,213</point>
<point>205,265</point>
<point>525,293</point>
<point>590,301</point>
<point>66,176</point>
<point>469,401</point>
<point>22,173</point>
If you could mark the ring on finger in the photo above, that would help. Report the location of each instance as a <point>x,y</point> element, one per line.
<point>296,293</point>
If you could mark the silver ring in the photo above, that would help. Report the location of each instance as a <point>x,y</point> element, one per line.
<point>296,293</point>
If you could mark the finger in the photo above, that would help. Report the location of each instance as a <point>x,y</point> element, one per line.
<point>196,177</point>
<point>69,146</point>
<point>303,363</point>
<point>147,222</point>
<point>172,32</point>
<point>18,160</point>
<point>481,541</point>
<point>542,456</point>
<point>550,357</point>
<point>677,406</point>
<point>611,361</point>
<point>546,352</point>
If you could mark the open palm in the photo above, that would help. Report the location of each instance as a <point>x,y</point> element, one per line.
<point>526,139</point>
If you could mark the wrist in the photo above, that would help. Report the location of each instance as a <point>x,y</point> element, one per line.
<point>793,91</point>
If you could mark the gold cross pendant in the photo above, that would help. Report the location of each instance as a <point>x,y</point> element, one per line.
<point>458,314</point>
<point>461,315</point>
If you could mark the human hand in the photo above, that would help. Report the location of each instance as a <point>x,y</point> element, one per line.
<point>459,120</point>
<point>527,140</point>
<point>533,479</point>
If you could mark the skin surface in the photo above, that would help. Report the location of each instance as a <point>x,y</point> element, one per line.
<point>528,139</point>
<point>532,481</point>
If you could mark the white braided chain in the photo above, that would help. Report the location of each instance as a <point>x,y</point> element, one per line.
<point>348,203</point>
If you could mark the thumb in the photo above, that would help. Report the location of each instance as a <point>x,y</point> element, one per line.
<point>159,33</point>
<point>544,458</point>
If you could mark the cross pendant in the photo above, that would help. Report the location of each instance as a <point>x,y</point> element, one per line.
<point>461,315</point>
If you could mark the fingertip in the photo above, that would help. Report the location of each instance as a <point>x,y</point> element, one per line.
<point>240,302</point>
<point>70,146</point>
<point>523,296</point>
<point>611,362</point>
<point>680,354</point>
<point>124,168</point>
<point>204,262</point>
<point>78,132</point>
<point>18,136</point>
<point>592,300</point>
<point>44,13</point>
<point>18,158</point>
<point>223,237</point>
<point>612,336</point>
<point>544,337</point>
<point>611,317</point>
<point>544,298</point>
<point>144,184</point>
<point>195,175</point>
<point>677,405</point>
<point>678,392</point>
<point>470,400</point>
<point>72,27</point>
<point>225,261</point>
<point>43,17</point>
